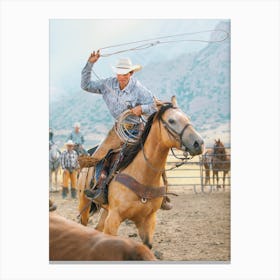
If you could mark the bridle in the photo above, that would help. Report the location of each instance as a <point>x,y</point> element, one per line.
<point>178,137</point>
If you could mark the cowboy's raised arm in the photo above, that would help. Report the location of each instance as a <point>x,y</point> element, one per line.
<point>86,83</point>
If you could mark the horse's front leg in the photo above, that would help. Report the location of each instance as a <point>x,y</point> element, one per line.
<point>214,173</point>
<point>218,181</point>
<point>146,229</point>
<point>207,176</point>
<point>50,180</point>
<point>101,222</point>
<point>112,222</point>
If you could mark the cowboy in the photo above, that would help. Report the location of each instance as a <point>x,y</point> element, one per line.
<point>120,93</point>
<point>51,141</point>
<point>77,137</point>
<point>70,165</point>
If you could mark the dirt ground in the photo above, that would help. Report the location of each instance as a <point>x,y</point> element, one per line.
<point>196,229</point>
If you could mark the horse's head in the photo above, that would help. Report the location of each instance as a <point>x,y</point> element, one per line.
<point>177,130</point>
<point>219,148</point>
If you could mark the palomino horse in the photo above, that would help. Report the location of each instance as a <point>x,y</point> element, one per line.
<point>144,162</point>
<point>207,163</point>
<point>54,164</point>
<point>220,162</point>
<point>70,241</point>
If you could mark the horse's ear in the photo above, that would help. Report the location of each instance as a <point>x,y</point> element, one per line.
<point>174,101</point>
<point>158,103</point>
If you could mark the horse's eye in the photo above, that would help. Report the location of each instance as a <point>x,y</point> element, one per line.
<point>171,121</point>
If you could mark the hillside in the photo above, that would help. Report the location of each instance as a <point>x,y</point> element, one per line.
<point>201,82</point>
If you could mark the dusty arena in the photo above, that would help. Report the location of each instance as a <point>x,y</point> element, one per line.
<point>196,229</point>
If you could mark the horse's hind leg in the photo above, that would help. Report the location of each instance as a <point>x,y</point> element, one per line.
<point>56,171</point>
<point>146,229</point>
<point>224,179</point>
<point>84,203</point>
<point>50,180</point>
<point>84,208</point>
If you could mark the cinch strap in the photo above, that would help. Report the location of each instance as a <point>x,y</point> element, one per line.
<point>147,192</point>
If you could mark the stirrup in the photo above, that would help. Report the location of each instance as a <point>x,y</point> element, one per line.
<point>97,195</point>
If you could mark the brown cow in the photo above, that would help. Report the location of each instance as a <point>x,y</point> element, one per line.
<point>70,241</point>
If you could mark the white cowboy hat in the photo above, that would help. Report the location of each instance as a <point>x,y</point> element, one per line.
<point>69,143</point>
<point>124,66</point>
<point>77,124</point>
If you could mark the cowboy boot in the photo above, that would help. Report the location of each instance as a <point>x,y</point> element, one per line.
<point>100,193</point>
<point>73,193</point>
<point>64,192</point>
<point>166,204</point>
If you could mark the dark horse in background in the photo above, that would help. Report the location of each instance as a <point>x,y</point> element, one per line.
<point>220,162</point>
<point>217,160</point>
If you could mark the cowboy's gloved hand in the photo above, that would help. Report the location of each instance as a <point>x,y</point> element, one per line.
<point>94,56</point>
<point>137,110</point>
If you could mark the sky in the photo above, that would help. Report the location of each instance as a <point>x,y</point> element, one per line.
<point>72,41</point>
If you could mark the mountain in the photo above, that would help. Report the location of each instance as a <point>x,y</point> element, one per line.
<point>200,81</point>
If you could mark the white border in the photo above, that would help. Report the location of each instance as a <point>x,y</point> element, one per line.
<point>255,136</point>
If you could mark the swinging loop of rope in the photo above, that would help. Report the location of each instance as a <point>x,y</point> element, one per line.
<point>159,40</point>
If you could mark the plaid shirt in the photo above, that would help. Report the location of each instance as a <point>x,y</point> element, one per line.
<point>69,160</point>
<point>118,100</point>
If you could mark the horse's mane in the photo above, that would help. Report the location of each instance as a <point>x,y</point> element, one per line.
<point>130,152</point>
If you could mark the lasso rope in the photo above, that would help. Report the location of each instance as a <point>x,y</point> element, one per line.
<point>163,40</point>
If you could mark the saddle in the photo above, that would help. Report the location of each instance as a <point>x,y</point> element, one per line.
<point>105,168</point>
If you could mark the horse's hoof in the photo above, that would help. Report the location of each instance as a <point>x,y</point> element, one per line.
<point>148,244</point>
<point>158,255</point>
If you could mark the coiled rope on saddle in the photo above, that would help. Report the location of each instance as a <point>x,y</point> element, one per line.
<point>128,130</point>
